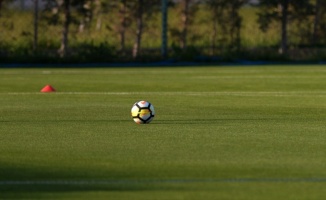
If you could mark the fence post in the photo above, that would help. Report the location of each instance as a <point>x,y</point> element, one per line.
<point>35,25</point>
<point>164,48</point>
<point>22,4</point>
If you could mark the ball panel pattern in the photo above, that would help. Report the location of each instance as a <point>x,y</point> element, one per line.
<point>142,112</point>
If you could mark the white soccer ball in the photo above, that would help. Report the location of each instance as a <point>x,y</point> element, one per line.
<point>142,112</point>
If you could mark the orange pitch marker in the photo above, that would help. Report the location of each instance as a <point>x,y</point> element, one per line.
<point>48,88</point>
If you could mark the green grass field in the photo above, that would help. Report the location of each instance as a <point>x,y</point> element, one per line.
<point>219,133</point>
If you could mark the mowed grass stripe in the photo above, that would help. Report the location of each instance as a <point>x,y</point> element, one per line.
<point>259,93</point>
<point>157,181</point>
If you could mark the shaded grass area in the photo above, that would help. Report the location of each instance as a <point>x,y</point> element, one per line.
<point>178,191</point>
<point>220,132</point>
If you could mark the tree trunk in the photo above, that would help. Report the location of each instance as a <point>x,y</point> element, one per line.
<point>237,24</point>
<point>98,15</point>
<point>85,22</point>
<point>284,20</point>
<point>1,6</point>
<point>164,47</point>
<point>22,4</point>
<point>185,23</point>
<point>65,31</point>
<point>214,36</point>
<point>315,35</point>
<point>123,24</point>
<point>122,40</point>
<point>139,32</point>
<point>36,9</point>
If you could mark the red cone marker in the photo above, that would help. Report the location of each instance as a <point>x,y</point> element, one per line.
<point>48,88</point>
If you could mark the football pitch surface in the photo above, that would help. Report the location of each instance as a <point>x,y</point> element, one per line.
<point>254,132</point>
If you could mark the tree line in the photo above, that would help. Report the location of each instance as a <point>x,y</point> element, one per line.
<point>308,16</point>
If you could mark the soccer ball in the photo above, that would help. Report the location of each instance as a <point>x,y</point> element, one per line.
<point>142,112</point>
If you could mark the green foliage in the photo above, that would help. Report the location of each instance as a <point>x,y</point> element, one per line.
<point>89,52</point>
<point>270,11</point>
<point>99,22</point>
<point>188,54</point>
<point>226,22</point>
